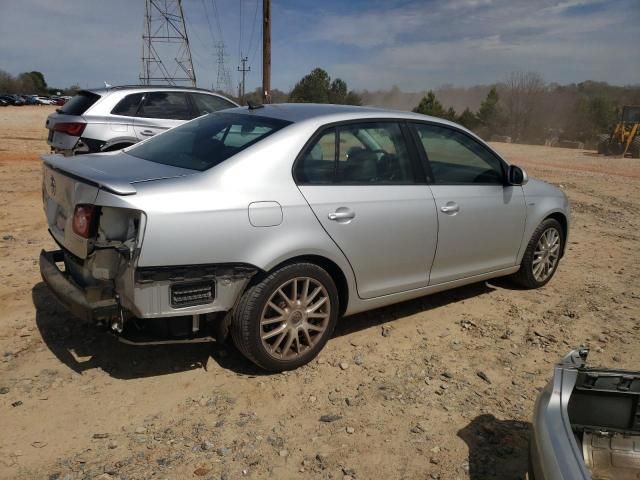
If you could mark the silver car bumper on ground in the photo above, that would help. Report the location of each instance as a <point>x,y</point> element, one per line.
<point>586,424</point>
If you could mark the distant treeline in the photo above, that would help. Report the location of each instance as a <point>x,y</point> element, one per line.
<point>31,83</point>
<point>528,109</point>
<point>521,106</point>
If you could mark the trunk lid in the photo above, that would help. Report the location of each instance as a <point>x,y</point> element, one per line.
<point>71,181</point>
<point>60,195</point>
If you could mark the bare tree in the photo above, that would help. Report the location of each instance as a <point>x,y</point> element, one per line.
<point>522,92</point>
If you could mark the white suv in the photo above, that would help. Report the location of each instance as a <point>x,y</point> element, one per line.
<point>112,118</point>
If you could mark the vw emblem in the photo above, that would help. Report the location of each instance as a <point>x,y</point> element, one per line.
<point>52,185</point>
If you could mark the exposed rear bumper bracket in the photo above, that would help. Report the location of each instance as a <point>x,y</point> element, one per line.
<point>71,295</point>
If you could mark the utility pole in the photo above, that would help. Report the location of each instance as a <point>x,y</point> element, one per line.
<point>266,51</point>
<point>244,71</point>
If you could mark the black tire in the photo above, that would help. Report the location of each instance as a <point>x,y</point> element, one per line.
<point>245,325</point>
<point>603,144</point>
<point>634,148</point>
<point>525,276</point>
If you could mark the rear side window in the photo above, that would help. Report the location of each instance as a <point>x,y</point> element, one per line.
<point>80,103</point>
<point>318,164</point>
<point>206,141</point>
<point>371,153</point>
<point>209,103</point>
<point>169,105</point>
<point>128,106</point>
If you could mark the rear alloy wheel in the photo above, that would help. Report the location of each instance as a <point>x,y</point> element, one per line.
<point>542,256</point>
<point>283,321</point>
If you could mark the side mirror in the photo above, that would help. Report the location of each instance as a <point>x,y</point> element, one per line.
<point>516,175</point>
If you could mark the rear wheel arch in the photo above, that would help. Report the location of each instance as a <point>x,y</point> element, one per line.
<point>334,271</point>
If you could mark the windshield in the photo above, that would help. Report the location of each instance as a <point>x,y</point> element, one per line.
<point>631,115</point>
<point>207,141</point>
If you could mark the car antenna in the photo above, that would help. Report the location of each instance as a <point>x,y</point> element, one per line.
<point>254,106</point>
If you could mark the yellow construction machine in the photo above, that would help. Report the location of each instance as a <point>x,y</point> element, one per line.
<point>625,138</point>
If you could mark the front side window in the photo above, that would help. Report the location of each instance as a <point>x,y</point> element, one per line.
<point>372,153</point>
<point>207,141</point>
<point>169,105</point>
<point>458,159</point>
<point>204,103</point>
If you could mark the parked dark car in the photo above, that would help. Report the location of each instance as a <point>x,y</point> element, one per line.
<point>15,100</point>
<point>3,103</point>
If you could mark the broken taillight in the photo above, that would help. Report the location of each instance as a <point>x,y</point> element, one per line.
<point>74,129</point>
<point>85,220</point>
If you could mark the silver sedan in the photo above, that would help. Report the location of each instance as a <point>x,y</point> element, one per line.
<point>271,222</point>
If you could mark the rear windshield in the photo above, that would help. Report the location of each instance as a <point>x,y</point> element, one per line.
<point>80,103</point>
<point>207,141</point>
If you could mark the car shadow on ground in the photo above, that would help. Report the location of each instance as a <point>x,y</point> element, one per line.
<point>498,449</point>
<point>82,346</point>
<point>380,316</point>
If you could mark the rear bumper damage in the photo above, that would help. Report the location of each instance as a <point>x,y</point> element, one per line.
<point>181,297</point>
<point>73,297</point>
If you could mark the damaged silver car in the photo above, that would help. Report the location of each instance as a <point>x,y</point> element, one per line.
<point>272,221</point>
<point>586,424</point>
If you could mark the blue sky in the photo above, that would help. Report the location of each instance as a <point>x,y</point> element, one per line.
<point>370,44</point>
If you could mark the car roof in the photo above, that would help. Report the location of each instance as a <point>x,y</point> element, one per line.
<point>103,90</point>
<point>300,112</point>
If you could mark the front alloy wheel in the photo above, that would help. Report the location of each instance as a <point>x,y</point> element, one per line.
<point>284,320</point>
<point>546,254</point>
<point>541,258</point>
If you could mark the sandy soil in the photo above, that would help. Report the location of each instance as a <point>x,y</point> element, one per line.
<point>410,404</point>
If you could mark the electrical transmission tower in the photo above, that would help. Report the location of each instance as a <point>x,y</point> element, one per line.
<point>223,81</point>
<point>166,56</point>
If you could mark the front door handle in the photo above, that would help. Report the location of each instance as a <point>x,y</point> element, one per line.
<point>451,208</point>
<point>147,133</point>
<point>339,215</point>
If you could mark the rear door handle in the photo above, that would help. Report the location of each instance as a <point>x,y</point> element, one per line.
<point>147,133</point>
<point>342,215</point>
<point>450,208</point>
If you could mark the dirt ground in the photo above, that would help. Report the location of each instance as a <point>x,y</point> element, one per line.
<point>408,404</point>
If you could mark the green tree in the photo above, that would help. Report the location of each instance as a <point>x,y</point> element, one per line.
<point>317,87</point>
<point>353,98</point>
<point>312,88</point>
<point>451,114</point>
<point>337,91</point>
<point>490,115</point>
<point>38,81</point>
<point>468,119</point>
<point>429,105</point>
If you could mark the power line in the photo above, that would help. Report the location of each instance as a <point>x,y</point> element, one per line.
<point>253,29</point>
<point>240,36</point>
<point>206,15</point>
